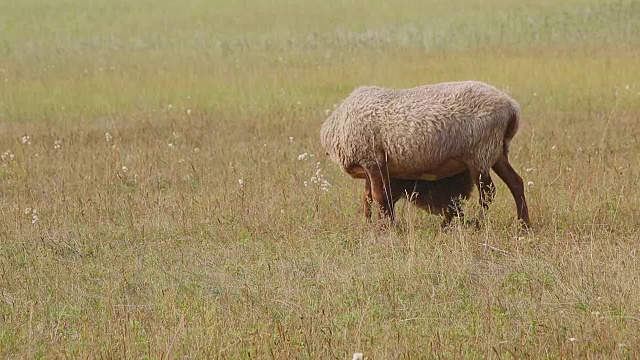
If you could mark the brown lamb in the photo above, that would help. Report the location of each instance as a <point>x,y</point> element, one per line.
<point>438,197</point>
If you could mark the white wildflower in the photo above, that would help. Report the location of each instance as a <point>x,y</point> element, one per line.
<point>530,183</point>
<point>572,339</point>
<point>33,213</point>
<point>306,183</point>
<point>302,156</point>
<point>7,156</point>
<point>108,137</point>
<point>171,145</point>
<point>125,169</point>
<point>57,144</point>
<point>290,139</point>
<point>188,111</point>
<point>196,150</point>
<point>26,140</point>
<point>357,356</point>
<point>241,183</point>
<point>318,178</point>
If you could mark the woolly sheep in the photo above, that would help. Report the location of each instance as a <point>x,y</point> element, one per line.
<point>429,132</point>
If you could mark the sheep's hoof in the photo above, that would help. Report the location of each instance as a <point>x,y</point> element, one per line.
<point>524,229</point>
<point>446,226</point>
<point>384,225</point>
<point>473,222</point>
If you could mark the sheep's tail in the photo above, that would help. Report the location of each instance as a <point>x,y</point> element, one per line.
<point>513,125</point>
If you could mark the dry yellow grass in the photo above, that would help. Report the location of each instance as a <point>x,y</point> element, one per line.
<point>152,200</point>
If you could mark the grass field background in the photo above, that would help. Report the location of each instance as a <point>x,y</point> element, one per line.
<point>152,182</point>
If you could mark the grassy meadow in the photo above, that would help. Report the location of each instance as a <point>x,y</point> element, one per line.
<point>156,193</point>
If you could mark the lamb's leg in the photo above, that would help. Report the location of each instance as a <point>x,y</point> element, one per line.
<point>486,188</point>
<point>453,210</point>
<point>367,199</point>
<point>381,190</point>
<point>516,185</point>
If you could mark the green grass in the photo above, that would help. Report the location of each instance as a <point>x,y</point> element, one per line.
<point>144,243</point>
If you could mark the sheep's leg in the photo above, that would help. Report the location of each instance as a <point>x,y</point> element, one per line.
<point>516,185</point>
<point>381,190</point>
<point>367,199</point>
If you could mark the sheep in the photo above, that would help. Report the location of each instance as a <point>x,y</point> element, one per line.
<point>438,197</point>
<point>429,132</point>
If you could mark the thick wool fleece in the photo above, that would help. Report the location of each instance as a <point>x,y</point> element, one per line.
<point>419,129</point>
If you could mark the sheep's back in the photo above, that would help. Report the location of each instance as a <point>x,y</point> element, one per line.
<point>420,127</point>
